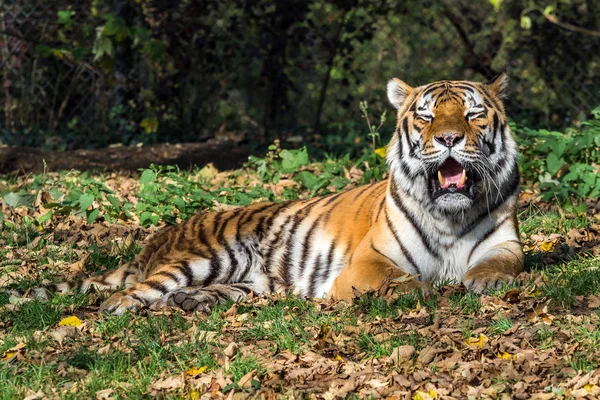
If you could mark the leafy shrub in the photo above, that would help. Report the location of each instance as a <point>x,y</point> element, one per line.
<point>565,164</point>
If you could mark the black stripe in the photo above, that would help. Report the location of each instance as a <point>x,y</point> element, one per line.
<point>329,259</point>
<point>406,253</point>
<point>252,212</point>
<point>406,170</point>
<point>512,184</point>
<point>492,99</point>
<point>432,88</point>
<point>331,199</point>
<point>225,221</point>
<point>259,231</point>
<point>313,281</point>
<point>405,125</point>
<point>284,263</point>
<point>362,190</point>
<point>215,270</point>
<point>489,233</point>
<point>412,219</point>
<point>168,275</point>
<point>360,207</point>
<point>463,87</point>
<point>269,221</point>
<point>187,272</point>
<point>157,286</point>
<point>140,299</point>
<point>215,262</point>
<point>233,262</point>
<point>245,274</point>
<point>383,255</point>
<point>243,287</point>
<point>277,236</point>
<point>495,127</point>
<point>216,220</point>
<point>400,145</point>
<point>380,208</point>
<point>306,246</point>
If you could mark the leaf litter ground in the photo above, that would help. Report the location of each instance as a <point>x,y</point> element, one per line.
<point>538,338</point>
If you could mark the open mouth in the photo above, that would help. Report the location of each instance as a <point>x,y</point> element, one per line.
<point>452,177</point>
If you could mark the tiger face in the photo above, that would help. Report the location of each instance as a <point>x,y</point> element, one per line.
<point>452,148</point>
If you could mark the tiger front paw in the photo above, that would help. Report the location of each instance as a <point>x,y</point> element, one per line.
<point>121,302</point>
<point>485,282</point>
<point>193,300</point>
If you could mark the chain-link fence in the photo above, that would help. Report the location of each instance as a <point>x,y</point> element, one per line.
<point>91,73</point>
<point>45,88</point>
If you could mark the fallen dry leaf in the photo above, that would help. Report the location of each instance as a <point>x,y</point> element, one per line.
<point>104,394</point>
<point>64,332</point>
<point>402,354</point>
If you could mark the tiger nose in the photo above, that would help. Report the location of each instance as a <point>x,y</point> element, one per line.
<point>449,139</point>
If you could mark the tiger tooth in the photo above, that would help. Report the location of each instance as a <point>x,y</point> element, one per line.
<point>441,179</point>
<point>463,177</point>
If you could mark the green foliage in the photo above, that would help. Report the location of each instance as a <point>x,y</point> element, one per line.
<point>564,164</point>
<point>128,71</point>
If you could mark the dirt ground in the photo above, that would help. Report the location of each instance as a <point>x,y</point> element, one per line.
<point>224,156</point>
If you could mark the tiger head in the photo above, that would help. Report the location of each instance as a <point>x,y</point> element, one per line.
<point>452,148</point>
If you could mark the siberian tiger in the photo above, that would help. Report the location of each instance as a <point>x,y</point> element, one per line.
<point>447,212</point>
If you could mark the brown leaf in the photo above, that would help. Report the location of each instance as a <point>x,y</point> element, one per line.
<point>34,395</point>
<point>64,332</point>
<point>169,383</point>
<point>231,350</point>
<point>512,296</point>
<point>428,354</point>
<point>245,381</point>
<point>402,354</point>
<point>593,301</point>
<point>104,394</point>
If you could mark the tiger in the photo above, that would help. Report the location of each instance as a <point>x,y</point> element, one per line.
<point>446,212</point>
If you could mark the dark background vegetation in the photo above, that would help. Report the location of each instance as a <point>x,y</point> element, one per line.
<point>93,73</point>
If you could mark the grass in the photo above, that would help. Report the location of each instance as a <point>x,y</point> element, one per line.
<point>57,224</point>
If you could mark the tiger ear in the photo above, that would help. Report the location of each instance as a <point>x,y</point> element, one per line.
<point>499,84</point>
<point>398,92</point>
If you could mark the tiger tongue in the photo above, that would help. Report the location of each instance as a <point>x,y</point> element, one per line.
<point>452,173</point>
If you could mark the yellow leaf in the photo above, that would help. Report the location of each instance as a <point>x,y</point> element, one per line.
<point>13,351</point>
<point>419,395</point>
<point>547,246</point>
<point>9,354</point>
<point>194,371</point>
<point>381,152</point>
<point>506,356</point>
<point>150,124</point>
<point>194,394</point>
<point>589,387</point>
<point>477,341</point>
<point>338,358</point>
<point>70,321</point>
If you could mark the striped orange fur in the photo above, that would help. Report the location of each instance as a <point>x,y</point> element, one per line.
<point>447,211</point>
